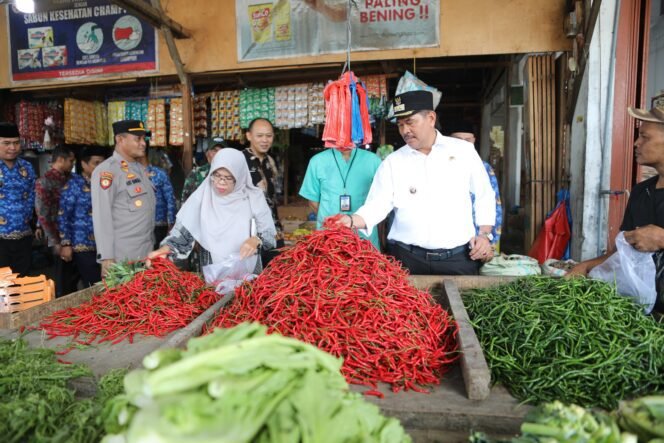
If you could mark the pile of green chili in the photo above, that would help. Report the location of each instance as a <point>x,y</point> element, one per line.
<point>38,405</point>
<point>576,341</point>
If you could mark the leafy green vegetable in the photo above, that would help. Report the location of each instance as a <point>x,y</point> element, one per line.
<point>643,417</point>
<point>242,385</point>
<point>37,406</point>
<point>121,272</point>
<point>557,423</point>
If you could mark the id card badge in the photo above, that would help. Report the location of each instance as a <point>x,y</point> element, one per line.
<point>344,202</point>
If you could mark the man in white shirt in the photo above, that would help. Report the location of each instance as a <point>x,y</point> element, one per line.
<point>428,183</point>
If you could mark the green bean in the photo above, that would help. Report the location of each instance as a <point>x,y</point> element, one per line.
<point>577,341</point>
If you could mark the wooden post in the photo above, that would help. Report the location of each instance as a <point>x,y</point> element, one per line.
<point>188,126</point>
<point>185,87</point>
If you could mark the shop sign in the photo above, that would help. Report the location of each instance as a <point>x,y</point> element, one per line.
<point>86,39</point>
<point>287,28</point>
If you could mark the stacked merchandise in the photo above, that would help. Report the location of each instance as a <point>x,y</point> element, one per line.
<point>257,103</point>
<point>101,123</point>
<point>156,122</point>
<point>176,135</point>
<point>116,112</point>
<point>30,118</point>
<point>316,104</point>
<point>200,116</point>
<point>80,122</point>
<point>292,106</point>
<point>136,110</point>
<point>225,115</point>
<point>376,86</point>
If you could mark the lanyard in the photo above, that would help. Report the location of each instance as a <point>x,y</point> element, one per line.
<point>344,179</point>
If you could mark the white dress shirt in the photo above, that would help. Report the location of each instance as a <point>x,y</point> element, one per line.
<point>431,195</point>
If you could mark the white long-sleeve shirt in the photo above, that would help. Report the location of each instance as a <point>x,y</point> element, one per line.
<point>431,195</point>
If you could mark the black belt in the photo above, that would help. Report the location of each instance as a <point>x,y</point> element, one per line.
<point>433,254</point>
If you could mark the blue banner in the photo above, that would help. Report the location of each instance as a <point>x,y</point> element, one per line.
<point>91,39</point>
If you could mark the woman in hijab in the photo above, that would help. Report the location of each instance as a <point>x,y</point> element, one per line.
<point>219,215</point>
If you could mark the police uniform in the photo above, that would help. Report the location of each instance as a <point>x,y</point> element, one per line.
<point>17,200</point>
<point>123,205</point>
<point>76,229</point>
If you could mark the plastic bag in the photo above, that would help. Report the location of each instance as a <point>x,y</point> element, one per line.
<point>632,271</point>
<point>511,265</point>
<point>552,240</point>
<point>409,82</point>
<point>557,268</point>
<point>229,273</point>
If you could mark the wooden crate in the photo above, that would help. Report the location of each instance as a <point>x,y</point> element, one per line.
<point>13,320</point>
<point>474,368</point>
<point>19,294</point>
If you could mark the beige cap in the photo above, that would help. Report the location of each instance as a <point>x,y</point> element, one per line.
<point>655,115</point>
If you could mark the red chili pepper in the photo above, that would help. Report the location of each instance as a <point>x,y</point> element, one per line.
<point>336,291</point>
<point>155,302</point>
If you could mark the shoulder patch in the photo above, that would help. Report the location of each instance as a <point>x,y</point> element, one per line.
<point>106,179</point>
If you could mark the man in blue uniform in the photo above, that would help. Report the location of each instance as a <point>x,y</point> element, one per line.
<point>77,237</point>
<point>464,131</point>
<point>165,205</point>
<point>17,200</point>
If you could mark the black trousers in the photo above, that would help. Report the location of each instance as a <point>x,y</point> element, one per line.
<point>418,264</point>
<point>16,254</point>
<point>267,256</point>
<point>160,233</point>
<point>88,268</point>
<point>65,276</point>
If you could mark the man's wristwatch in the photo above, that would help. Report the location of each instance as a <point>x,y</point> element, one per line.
<point>488,235</point>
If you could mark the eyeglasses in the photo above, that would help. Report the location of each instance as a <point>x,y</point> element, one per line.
<point>222,178</point>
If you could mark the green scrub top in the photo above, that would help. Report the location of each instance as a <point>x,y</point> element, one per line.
<point>324,183</point>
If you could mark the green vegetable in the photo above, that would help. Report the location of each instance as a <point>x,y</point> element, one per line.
<point>36,405</point>
<point>555,422</point>
<point>576,341</point>
<point>643,417</point>
<point>242,385</point>
<point>121,272</point>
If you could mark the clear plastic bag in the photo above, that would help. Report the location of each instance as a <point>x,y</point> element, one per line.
<point>632,271</point>
<point>229,273</point>
<point>409,82</point>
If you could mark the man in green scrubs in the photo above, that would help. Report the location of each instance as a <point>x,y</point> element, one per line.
<point>338,182</point>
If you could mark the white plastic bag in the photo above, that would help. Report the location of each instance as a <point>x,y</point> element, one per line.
<point>229,273</point>
<point>632,271</point>
<point>511,266</point>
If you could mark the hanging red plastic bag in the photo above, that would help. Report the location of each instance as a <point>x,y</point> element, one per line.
<point>346,113</point>
<point>552,240</point>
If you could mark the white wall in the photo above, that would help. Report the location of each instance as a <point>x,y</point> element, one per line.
<point>591,140</point>
<point>656,53</point>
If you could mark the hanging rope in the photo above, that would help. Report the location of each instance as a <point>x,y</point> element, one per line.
<point>349,11</point>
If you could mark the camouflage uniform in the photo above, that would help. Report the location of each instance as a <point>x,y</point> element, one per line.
<point>193,180</point>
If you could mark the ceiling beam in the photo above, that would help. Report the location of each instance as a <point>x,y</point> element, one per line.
<point>154,16</point>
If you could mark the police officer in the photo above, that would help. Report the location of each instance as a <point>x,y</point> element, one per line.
<point>123,201</point>
<point>17,200</point>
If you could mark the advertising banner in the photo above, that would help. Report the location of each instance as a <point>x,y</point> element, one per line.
<point>91,39</point>
<point>288,28</point>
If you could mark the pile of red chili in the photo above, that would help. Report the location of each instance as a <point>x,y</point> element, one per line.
<point>338,292</point>
<point>155,302</point>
